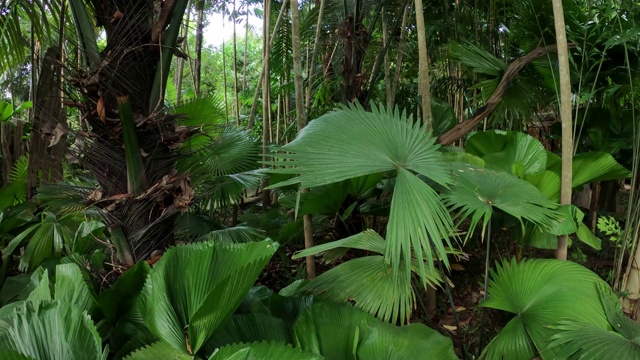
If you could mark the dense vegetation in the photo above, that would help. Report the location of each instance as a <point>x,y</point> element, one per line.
<point>361,180</point>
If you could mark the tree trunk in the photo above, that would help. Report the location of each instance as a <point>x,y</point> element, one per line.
<point>49,127</point>
<point>396,77</point>
<point>235,67</point>
<point>565,115</point>
<point>266,96</point>
<point>423,63</point>
<point>301,119</point>
<point>180,64</point>
<point>199,36</point>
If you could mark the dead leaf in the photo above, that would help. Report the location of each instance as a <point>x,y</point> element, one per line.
<point>102,113</point>
<point>457,267</point>
<point>116,16</point>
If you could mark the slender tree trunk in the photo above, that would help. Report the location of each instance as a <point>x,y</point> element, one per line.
<point>301,119</point>
<point>199,38</point>
<point>266,96</point>
<point>396,77</point>
<point>565,115</point>
<point>246,44</point>
<point>423,60</point>
<point>387,71</point>
<point>180,64</point>
<point>312,62</point>
<point>235,67</point>
<point>265,64</point>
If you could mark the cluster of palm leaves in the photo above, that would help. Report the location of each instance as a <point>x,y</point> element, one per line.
<point>195,303</point>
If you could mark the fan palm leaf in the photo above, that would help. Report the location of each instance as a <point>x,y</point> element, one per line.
<point>350,143</point>
<point>262,350</point>
<point>34,326</point>
<point>183,289</point>
<point>581,341</point>
<point>540,293</point>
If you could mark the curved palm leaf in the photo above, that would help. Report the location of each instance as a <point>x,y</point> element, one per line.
<point>477,191</point>
<point>262,350</point>
<point>364,280</point>
<point>593,166</point>
<point>504,150</point>
<point>343,332</point>
<point>352,142</point>
<point>540,292</point>
<point>158,350</point>
<point>183,290</point>
<point>586,341</point>
<point>35,325</point>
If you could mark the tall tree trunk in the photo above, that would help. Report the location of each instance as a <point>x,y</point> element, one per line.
<point>272,36</point>
<point>387,70</point>
<point>49,127</point>
<point>235,67</point>
<point>266,95</point>
<point>301,119</point>
<point>565,116</point>
<point>396,77</point>
<point>199,38</point>
<point>181,60</point>
<point>312,62</point>
<point>246,45</point>
<point>423,64</point>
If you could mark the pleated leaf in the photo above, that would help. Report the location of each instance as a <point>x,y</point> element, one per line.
<point>502,150</point>
<point>54,331</point>
<point>540,293</point>
<point>585,341</point>
<point>350,143</point>
<point>593,166</point>
<point>247,328</point>
<point>194,288</point>
<point>416,341</point>
<point>478,191</point>
<point>71,287</point>
<point>260,351</point>
<point>371,285</point>
<point>158,350</point>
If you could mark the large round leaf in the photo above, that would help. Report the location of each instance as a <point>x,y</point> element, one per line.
<point>196,287</point>
<point>504,150</point>
<point>540,293</point>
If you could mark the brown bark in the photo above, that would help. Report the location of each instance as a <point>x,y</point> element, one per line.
<point>13,147</point>
<point>49,128</point>
<point>494,100</point>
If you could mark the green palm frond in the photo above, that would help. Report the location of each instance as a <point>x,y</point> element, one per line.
<point>33,327</point>
<point>19,18</point>
<point>479,60</point>
<point>593,166</point>
<point>234,235</point>
<point>504,150</point>
<point>158,350</point>
<point>363,280</point>
<point>252,327</point>
<point>350,143</point>
<point>478,191</point>
<point>183,290</point>
<point>343,332</point>
<point>262,350</point>
<point>540,293</point>
<point>577,340</point>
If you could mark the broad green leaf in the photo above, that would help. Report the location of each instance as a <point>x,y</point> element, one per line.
<point>118,299</point>
<point>55,331</point>
<point>539,293</point>
<point>367,240</point>
<point>416,341</point>
<point>593,166</point>
<point>548,182</point>
<point>183,290</point>
<point>350,143</point>
<point>260,351</point>
<point>71,287</point>
<point>502,150</point>
<point>158,350</point>
<point>370,284</point>
<point>478,191</point>
<point>248,328</point>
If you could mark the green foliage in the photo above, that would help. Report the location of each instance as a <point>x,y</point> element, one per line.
<point>611,228</point>
<point>183,290</point>
<point>540,293</point>
<point>350,143</point>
